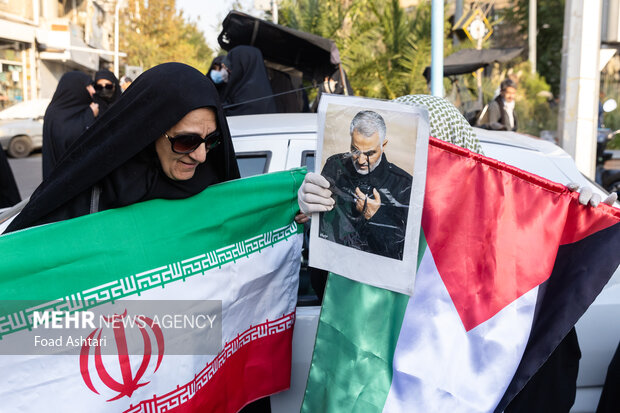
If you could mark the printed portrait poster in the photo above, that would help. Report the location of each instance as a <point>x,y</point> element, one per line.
<point>374,154</point>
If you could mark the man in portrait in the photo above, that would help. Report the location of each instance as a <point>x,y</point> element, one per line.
<point>371,194</point>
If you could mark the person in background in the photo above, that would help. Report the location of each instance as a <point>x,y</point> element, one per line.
<point>68,115</point>
<point>107,89</point>
<point>9,194</point>
<point>601,112</point>
<point>248,90</point>
<point>125,82</point>
<point>501,111</point>
<point>218,74</point>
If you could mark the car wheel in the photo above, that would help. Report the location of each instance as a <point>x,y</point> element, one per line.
<point>20,147</point>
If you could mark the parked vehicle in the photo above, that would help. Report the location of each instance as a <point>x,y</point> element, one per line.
<point>269,143</point>
<point>21,127</point>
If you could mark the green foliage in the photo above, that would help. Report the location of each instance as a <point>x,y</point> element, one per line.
<point>533,109</point>
<point>384,48</point>
<point>153,32</point>
<point>550,24</point>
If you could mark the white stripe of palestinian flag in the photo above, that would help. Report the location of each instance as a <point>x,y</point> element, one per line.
<point>482,361</point>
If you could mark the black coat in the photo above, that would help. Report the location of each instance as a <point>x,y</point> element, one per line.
<point>66,118</point>
<point>247,81</point>
<point>384,233</point>
<point>117,154</point>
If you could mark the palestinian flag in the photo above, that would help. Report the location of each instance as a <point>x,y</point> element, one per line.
<point>508,263</point>
<point>235,244</point>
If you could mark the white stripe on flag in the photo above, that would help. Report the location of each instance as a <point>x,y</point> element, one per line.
<point>253,289</point>
<point>439,367</point>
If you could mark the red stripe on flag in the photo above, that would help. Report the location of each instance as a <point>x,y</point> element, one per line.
<point>259,367</point>
<point>500,228</point>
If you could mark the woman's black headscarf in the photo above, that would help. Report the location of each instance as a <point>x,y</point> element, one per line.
<point>66,118</point>
<point>247,81</point>
<point>118,153</point>
<point>105,98</point>
<point>221,86</point>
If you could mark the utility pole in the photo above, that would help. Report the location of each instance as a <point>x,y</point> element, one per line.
<point>579,88</point>
<point>531,35</point>
<point>437,48</point>
<point>458,13</point>
<point>274,10</point>
<point>116,35</point>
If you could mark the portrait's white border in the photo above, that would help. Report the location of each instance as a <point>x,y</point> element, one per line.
<point>373,269</point>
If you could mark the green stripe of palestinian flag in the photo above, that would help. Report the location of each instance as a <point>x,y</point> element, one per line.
<point>364,385</point>
<point>89,251</point>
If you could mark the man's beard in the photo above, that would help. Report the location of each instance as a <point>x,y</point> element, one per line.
<point>366,171</point>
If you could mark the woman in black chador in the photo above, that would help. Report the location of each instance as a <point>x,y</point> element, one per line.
<point>107,90</point>
<point>247,82</point>
<point>161,139</point>
<point>68,115</point>
<point>9,194</point>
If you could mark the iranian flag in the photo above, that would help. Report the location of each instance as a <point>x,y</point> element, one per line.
<point>235,245</point>
<point>508,263</point>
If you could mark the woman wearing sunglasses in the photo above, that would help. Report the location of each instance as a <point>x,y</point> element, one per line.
<point>107,89</point>
<point>161,139</point>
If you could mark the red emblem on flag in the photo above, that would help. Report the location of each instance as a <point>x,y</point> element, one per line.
<point>130,381</point>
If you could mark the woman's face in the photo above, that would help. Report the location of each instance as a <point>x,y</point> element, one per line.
<point>181,167</point>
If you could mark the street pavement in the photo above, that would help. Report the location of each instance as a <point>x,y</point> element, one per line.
<point>27,172</point>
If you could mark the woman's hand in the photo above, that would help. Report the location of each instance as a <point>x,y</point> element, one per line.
<point>95,108</point>
<point>586,196</point>
<point>314,195</point>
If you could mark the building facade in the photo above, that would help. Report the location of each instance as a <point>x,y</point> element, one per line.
<point>40,40</point>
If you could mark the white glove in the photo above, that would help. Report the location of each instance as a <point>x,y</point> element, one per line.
<point>586,196</point>
<point>314,195</point>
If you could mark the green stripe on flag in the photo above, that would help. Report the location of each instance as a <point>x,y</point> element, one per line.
<point>354,350</point>
<point>60,259</point>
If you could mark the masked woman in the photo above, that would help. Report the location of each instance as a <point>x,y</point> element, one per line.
<point>107,89</point>
<point>247,89</point>
<point>68,115</point>
<point>161,139</point>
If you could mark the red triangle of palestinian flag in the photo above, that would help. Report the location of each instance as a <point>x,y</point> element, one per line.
<point>507,233</point>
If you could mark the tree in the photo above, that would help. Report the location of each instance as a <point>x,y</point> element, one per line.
<point>384,48</point>
<point>550,24</point>
<point>154,32</point>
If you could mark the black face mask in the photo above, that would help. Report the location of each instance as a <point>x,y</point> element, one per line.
<point>106,94</point>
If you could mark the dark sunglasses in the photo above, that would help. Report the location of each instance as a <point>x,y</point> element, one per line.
<point>106,86</point>
<point>188,143</point>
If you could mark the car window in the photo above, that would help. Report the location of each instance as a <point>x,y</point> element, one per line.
<point>307,159</point>
<point>253,163</point>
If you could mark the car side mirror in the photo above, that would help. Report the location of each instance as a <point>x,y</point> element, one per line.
<point>610,105</point>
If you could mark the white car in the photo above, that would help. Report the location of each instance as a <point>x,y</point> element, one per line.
<point>21,127</point>
<point>269,143</point>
